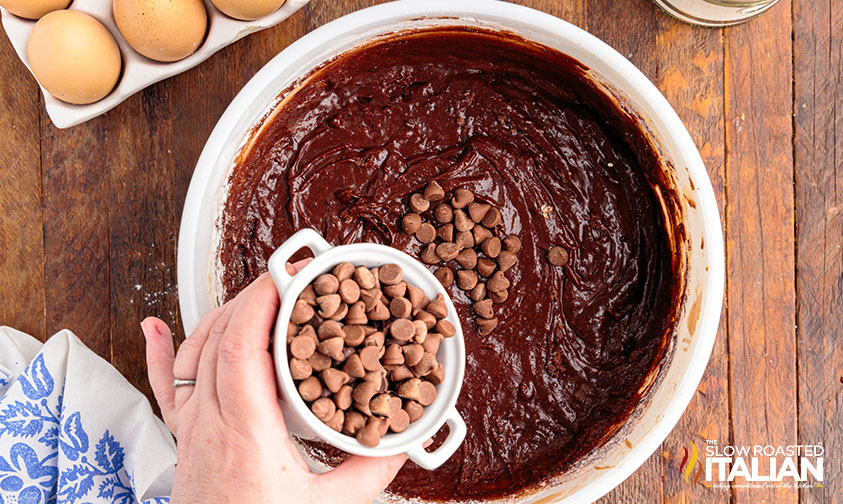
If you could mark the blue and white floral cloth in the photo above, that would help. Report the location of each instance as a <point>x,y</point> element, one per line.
<point>73,430</point>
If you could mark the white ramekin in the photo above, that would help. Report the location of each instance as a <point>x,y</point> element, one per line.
<point>697,322</point>
<point>301,422</point>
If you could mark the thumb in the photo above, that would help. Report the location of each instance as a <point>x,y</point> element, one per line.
<point>367,476</point>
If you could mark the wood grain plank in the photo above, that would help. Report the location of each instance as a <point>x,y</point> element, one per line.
<point>631,27</point>
<point>141,216</point>
<point>197,100</point>
<point>21,232</point>
<point>76,231</point>
<point>760,261</point>
<point>818,143</point>
<point>691,78</point>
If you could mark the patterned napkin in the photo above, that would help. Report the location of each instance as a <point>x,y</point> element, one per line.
<point>73,430</point>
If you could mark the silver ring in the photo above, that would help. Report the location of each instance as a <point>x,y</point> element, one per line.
<point>183,383</point>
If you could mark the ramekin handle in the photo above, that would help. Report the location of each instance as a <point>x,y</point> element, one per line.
<point>277,264</point>
<point>432,460</point>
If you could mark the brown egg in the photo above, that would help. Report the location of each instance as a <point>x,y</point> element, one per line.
<point>74,56</point>
<point>33,9</point>
<point>248,9</point>
<point>163,30</point>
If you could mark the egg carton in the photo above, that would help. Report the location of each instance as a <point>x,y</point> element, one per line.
<point>138,70</point>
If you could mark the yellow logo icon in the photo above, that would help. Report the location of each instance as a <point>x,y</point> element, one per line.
<point>689,462</point>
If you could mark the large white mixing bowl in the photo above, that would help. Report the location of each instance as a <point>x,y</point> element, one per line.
<point>697,324</point>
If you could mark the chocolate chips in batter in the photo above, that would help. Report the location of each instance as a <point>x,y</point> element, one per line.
<point>465,240</point>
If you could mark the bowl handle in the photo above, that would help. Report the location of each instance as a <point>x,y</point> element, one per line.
<point>277,264</point>
<point>432,460</point>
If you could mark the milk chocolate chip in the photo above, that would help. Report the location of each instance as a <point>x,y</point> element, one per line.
<point>506,260</point>
<point>369,358</point>
<point>492,247</point>
<point>478,292</point>
<point>402,330</point>
<point>497,282</point>
<point>393,355</point>
<point>364,277</point>
<point>447,251</point>
<point>349,291</point>
<point>323,408</point>
<point>384,405</point>
<point>397,290</point>
<point>486,326</point>
<point>343,271</point>
<point>428,255</point>
<point>464,239</point>
<point>467,259</point>
<point>486,266</point>
<point>411,223</point>
<point>462,222</point>
<point>418,203</point>
<point>319,362</point>
<point>353,334</point>
<point>302,347</point>
<point>478,210</point>
<point>300,369</point>
<point>400,308</point>
<point>445,275</point>
<point>336,421</point>
<point>445,328</point>
<point>332,348</point>
<point>334,379</point>
<point>328,304</point>
<point>557,256</point>
<point>437,307</point>
<point>310,389</point>
<point>433,191</point>
<point>466,279</point>
<point>462,198</point>
<point>443,213</point>
<point>302,312</point>
<point>309,295</point>
<point>357,314</point>
<point>330,329</point>
<point>412,354</point>
<point>484,308</point>
<point>512,243</point>
<point>390,274</point>
<point>354,421</point>
<point>354,367</point>
<point>445,232</point>
<point>369,435</point>
<point>399,421</point>
<point>492,218</point>
<point>325,284</point>
<point>414,410</point>
<point>500,296</point>
<point>480,234</point>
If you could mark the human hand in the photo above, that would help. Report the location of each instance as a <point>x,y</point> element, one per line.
<point>233,444</point>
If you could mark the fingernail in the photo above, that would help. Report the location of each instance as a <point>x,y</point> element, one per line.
<point>144,329</point>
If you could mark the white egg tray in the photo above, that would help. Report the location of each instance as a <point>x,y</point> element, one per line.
<point>138,71</point>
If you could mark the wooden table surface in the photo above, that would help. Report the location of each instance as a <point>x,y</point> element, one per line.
<point>89,216</point>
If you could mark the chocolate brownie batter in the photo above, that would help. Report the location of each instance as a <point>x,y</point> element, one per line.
<point>522,127</point>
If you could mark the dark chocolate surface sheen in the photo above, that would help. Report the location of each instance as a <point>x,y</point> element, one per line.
<point>523,128</point>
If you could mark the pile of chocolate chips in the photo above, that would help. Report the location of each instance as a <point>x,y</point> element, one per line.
<point>362,346</point>
<point>464,231</point>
